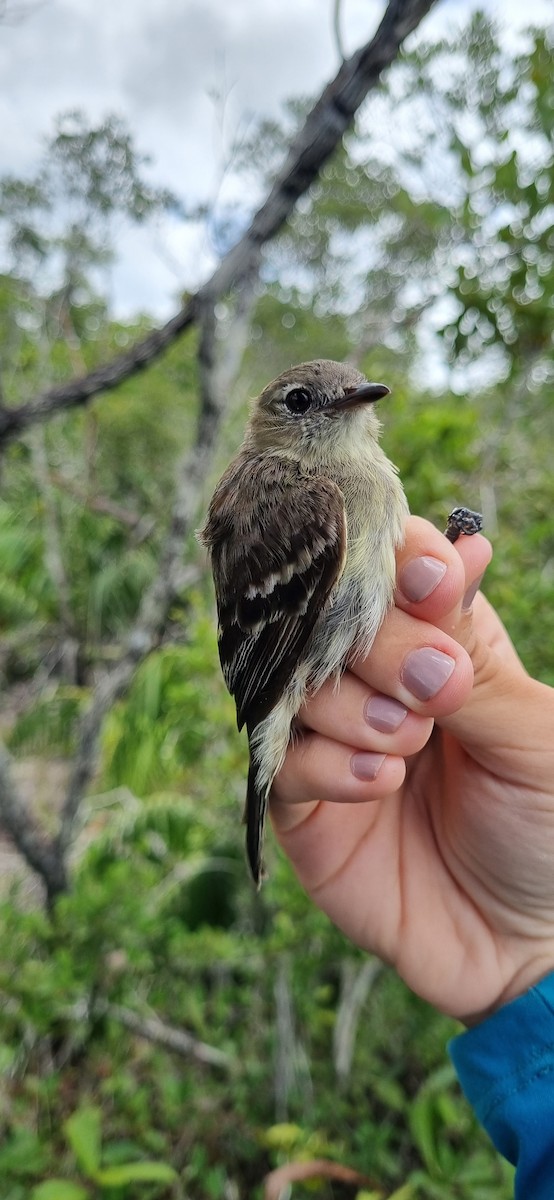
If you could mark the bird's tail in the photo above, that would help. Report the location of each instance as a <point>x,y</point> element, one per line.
<point>267,741</point>
<point>254,817</point>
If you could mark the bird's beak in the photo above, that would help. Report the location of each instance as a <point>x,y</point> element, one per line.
<point>368,393</point>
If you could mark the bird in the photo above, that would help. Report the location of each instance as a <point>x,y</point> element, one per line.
<point>302,531</point>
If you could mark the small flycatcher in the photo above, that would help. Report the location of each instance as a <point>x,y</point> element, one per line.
<point>302,531</point>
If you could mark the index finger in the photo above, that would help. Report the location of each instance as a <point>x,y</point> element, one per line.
<point>435,577</point>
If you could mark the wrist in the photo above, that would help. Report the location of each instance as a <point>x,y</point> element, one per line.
<point>526,977</point>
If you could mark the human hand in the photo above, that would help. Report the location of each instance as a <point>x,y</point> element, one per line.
<point>430,839</point>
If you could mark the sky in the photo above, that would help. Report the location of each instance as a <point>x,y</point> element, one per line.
<point>162,66</point>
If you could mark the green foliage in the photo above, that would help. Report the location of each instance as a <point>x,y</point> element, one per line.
<point>163,727</point>
<point>108,560</point>
<point>396,245</point>
<point>161,918</point>
<point>59,1189</point>
<point>25,588</point>
<point>398,1118</point>
<point>505,265</point>
<point>48,726</point>
<point>83,1131</point>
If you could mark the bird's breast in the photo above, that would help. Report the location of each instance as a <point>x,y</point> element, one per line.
<point>376,509</point>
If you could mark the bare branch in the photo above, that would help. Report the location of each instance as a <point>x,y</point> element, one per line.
<point>102,504</point>
<point>106,693</point>
<point>153,1029</point>
<point>355,988</point>
<point>291,1061</point>
<point>316,141</point>
<point>285,1041</point>
<point>172,577</point>
<point>79,391</point>
<point>40,854</point>
<point>337,6</point>
<point>277,1184</point>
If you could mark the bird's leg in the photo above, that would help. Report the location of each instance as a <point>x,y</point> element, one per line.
<point>463,520</point>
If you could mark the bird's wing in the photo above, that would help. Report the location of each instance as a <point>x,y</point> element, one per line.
<point>278,543</point>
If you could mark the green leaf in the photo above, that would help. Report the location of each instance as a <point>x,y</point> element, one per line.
<point>22,1155</point>
<point>83,1132</point>
<point>139,1172</point>
<point>423,1126</point>
<point>283,1137</point>
<point>59,1189</point>
<point>408,1191</point>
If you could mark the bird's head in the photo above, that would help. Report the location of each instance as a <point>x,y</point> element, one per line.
<point>319,408</point>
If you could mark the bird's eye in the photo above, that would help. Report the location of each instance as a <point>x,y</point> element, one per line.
<point>298,400</point>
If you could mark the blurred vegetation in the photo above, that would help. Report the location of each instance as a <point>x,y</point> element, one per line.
<point>426,252</point>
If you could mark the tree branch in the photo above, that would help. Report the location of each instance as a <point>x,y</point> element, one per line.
<point>106,693</point>
<point>172,577</point>
<point>141,526</point>
<point>316,141</point>
<point>291,1061</point>
<point>278,1182</point>
<point>355,987</point>
<point>39,853</point>
<point>153,1029</point>
<point>337,5</point>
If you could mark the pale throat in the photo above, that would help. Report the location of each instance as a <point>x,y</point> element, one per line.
<point>347,446</point>
<point>351,449</point>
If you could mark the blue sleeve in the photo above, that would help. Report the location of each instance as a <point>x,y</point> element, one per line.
<point>506,1069</point>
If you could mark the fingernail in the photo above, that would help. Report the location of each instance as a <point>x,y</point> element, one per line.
<point>424,672</point>
<point>366,766</point>
<point>471,593</point>
<point>384,714</point>
<point>420,577</point>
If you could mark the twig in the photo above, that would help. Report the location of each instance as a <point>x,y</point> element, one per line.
<point>291,1062</point>
<point>33,845</point>
<point>277,1183</point>
<point>337,6</point>
<point>154,1030</point>
<point>106,693</point>
<point>355,988</point>
<point>284,1041</point>
<point>102,504</point>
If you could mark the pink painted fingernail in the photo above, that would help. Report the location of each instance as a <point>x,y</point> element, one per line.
<point>385,714</point>
<point>424,672</point>
<point>366,766</point>
<point>471,593</point>
<point>420,577</point>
